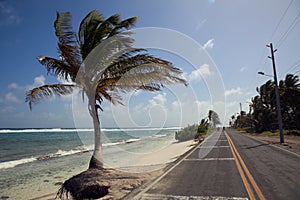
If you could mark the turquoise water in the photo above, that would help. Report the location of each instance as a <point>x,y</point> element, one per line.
<point>46,157</point>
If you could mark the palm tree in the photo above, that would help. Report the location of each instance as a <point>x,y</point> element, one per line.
<point>213,118</point>
<point>289,89</point>
<point>100,61</point>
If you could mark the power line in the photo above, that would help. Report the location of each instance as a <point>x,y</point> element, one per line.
<point>263,55</point>
<point>296,72</point>
<point>263,60</point>
<point>277,26</point>
<point>293,67</point>
<point>287,32</point>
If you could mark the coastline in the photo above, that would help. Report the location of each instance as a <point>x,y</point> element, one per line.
<point>125,179</point>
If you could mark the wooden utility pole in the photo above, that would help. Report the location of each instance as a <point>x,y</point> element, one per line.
<point>241,109</point>
<point>277,94</point>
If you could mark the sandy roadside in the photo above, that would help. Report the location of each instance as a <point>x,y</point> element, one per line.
<point>142,170</point>
<point>292,143</point>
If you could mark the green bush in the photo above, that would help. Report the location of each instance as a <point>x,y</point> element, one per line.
<point>191,132</point>
<point>187,133</point>
<point>202,130</point>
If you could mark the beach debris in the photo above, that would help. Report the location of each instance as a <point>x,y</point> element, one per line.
<point>58,183</point>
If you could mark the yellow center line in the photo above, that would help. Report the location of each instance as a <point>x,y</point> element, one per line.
<point>250,177</point>
<point>242,174</point>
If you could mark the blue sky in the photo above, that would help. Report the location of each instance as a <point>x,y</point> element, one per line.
<point>233,33</point>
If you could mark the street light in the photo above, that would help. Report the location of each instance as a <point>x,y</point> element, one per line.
<point>278,105</point>
<point>262,73</point>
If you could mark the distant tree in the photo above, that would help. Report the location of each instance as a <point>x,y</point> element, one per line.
<point>213,118</point>
<point>202,128</point>
<point>264,115</point>
<point>290,101</point>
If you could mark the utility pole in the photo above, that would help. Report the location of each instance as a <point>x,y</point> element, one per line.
<point>277,94</point>
<point>241,109</point>
<point>241,115</point>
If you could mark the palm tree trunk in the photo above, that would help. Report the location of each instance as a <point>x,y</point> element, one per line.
<point>96,161</point>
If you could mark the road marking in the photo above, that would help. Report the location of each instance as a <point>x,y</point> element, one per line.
<point>138,196</point>
<point>207,159</point>
<point>242,166</point>
<point>242,174</point>
<point>210,147</point>
<point>217,140</point>
<point>179,197</point>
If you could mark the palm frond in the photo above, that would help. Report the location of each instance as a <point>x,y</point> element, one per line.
<point>94,29</point>
<point>63,28</point>
<point>58,67</point>
<point>67,43</point>
<point>106,54</point>
<point>125,24</point>
<point>88,25</point>
<point>110,95</point>
<point>35,95</point>
<point>104,29</point>
<point>161,71</point>
<point>70,55</point>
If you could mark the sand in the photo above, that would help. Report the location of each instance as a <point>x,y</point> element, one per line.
<point>142,170</point>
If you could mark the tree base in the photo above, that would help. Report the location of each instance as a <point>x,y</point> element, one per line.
<point>83,186</point>
<point>95,163</point>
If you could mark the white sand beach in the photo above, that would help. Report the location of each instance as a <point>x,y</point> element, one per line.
<point>142,169</point>
<point>165,155</point>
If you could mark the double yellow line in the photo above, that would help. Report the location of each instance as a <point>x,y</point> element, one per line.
<point>244,172</point>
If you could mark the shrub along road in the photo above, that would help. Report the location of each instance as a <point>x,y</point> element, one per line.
<point>229,165</point>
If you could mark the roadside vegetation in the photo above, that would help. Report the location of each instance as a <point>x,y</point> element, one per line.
<point>262,116</point>
<point>198,131</point>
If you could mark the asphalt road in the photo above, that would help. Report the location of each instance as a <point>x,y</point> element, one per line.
<point>229,165</point>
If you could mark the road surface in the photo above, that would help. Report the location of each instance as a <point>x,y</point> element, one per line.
<point>230,165</point>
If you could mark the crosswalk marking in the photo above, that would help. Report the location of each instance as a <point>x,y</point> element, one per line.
<point>206,159</point>
<point>210,147</point>
<point>179,197</point>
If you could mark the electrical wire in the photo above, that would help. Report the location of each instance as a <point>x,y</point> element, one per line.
<point>282,17</point>
<point>297,72</point>
<point>290,28</point>
<point>281,40</point>
<point>263,55</point>
<point>293,67</point>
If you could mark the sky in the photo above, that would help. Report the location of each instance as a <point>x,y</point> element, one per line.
<point>220,45</point>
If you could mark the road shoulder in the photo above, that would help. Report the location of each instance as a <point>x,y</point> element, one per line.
<point>292,143</point>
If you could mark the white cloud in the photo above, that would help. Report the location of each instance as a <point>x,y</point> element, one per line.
<point>200,24</point>
<point>8,14</point>
<point>159,99</point>
<point>243,69</point>
<point>11,98</point>
<point>233,91</point>
<point>209,44</point>
<point>203,70</point>
<point>37,82</point>
<point>7,110</point>
<point>13,86</point>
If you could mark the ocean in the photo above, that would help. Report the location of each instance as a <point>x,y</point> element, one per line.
<point>34,161</point>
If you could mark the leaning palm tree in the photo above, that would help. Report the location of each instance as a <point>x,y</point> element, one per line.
<point>101,62</point>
